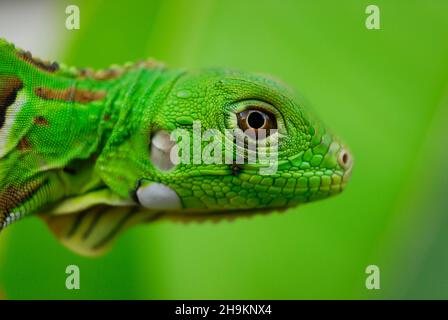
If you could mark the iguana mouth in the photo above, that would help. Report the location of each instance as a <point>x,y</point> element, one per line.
<point>214,216</point>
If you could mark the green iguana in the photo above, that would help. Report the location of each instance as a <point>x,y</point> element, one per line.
<point>91,152</point>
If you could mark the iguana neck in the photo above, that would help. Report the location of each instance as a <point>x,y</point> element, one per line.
<point>129,99</point>
<point>57,120</point>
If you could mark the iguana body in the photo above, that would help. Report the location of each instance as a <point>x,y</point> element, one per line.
<point>87,151</point>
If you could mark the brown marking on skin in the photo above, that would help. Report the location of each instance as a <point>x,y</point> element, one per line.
<point>24,145</point>
<point>106,117</point>
<point>42,65</point>
<point>116,71</point>
<point>41,121</point>
<point>69,95</point>
<point>13,196</point>
<point>9,87</point>
<point>100,75</point>
<point>85,72</point>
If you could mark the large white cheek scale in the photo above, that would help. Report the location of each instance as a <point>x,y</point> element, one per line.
<point>158,196</point>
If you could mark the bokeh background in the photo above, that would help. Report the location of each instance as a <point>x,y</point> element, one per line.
<point>384,91</point>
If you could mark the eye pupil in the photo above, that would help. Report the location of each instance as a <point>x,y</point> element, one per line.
<point>256,120</point>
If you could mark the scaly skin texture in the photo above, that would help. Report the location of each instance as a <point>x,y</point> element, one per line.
<point>75,142</point>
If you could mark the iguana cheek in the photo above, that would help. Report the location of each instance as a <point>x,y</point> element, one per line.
<point>158,196</point>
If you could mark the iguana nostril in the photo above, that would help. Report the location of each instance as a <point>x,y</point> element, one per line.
<point>345,159</point>
<point>346,162</point>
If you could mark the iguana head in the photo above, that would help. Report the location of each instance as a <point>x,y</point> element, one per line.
<point>95,152</point>
<point>215,141</point>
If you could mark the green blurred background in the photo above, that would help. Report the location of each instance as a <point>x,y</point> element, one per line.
<point>384,91</point>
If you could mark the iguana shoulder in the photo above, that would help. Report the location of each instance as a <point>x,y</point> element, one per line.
<point>54,122</point>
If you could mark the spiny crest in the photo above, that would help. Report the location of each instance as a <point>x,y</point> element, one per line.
<point>43,65</point>
<point>115,71</point>
<point>112,72</point>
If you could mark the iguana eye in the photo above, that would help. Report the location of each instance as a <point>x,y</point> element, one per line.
<point>255,119</point>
